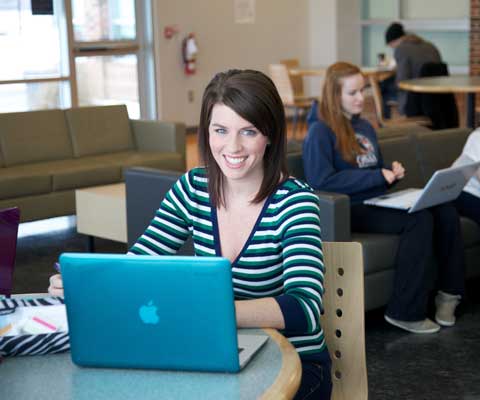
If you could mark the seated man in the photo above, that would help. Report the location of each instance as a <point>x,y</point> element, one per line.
<point>410,53</point>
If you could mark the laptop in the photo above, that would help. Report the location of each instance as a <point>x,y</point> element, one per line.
<point>444,185</point>
<point>164,312</point>
<point>9,220</point>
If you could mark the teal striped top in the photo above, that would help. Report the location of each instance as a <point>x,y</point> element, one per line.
<point>282,258</point>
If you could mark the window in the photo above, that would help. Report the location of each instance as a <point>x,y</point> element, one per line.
<point>443,22</point>
<point>84,53</point>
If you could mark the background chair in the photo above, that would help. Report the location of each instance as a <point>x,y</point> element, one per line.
<point>300,104</point>
<point>381,120</point>
<point>297,80</point>
<point>343,320</point>
<point>441,108</point>
<point>9,220</point>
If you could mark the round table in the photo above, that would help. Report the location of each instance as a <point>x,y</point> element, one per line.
<point>380,72</point>
<point>448,84</point>
<point>274,373</point>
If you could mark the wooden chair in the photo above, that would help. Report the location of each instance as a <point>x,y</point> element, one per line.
<point>343,320</point>
<point>297,80</point>
<point>382,121</point>
<point>299,104</point>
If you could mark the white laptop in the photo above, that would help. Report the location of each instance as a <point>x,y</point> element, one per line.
<point>444,185</point>
<point>164,312</point>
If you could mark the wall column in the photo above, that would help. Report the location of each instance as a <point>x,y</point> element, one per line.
<point>474,37</point>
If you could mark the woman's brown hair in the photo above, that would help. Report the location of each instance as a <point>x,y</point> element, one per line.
<point>253,96</point>
<point>331,109</point>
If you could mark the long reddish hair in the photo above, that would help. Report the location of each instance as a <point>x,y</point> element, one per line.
<point>332,113</point>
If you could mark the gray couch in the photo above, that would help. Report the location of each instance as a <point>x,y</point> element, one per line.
<point>46,155</point>
<point>422,153</point>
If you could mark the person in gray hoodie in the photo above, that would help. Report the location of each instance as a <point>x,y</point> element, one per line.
<point>411,52</point>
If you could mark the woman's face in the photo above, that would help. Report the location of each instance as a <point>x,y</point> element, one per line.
<point>352,94</point>
<point>237,146</point>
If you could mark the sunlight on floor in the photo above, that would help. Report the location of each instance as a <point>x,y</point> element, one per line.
<point>43,226</point>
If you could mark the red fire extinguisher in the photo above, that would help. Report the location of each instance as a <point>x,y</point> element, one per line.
<point>189,52</point>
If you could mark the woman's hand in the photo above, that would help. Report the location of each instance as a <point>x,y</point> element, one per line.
<point>398,170</point>
<point>56,285</point>
<point>388,175</point>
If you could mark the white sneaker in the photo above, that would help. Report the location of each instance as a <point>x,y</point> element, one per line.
<point>446,304</point>
<point>423,326</point>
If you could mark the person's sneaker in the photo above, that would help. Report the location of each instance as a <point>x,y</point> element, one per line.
<point>446,304</point>
<point>423,326</point>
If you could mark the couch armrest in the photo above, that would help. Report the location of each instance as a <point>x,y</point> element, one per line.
<point>159,136</point>
<point>334,216</point>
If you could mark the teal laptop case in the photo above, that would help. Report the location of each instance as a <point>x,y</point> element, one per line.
<point>164,312</point>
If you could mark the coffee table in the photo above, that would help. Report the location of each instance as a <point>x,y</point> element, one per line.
<point>102,213</point>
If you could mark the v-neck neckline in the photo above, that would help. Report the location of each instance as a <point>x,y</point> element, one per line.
<point>216,231</point>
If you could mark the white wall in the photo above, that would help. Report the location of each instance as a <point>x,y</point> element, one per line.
<point>349,32</point>
<point>280,31</point>
<point>317,32</point>
<point>334,34</point>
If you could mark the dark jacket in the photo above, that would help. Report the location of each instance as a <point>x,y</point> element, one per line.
<point>410,55</point>
<point>325,169</point>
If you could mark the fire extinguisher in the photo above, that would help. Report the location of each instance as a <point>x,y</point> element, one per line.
<point>189,53</point>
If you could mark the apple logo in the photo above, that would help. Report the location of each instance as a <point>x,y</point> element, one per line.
<point>148,313</point>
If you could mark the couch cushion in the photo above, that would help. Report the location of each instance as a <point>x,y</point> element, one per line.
<point>57,175</point>
<point>470,232</point>
<point>379,250</point>
<point>34,136</point>
<point>20,181</point>
<point>108,168</point>
<point>155,159</point>
<point>439,149</point>
<point>402,149</point>
<point>99,130</point>
<point>84,172</point>
<point>41,206</point>
<point>400,130</point>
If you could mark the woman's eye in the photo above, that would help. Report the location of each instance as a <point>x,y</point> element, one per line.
<point>220,131</point>
<point>249,132</point>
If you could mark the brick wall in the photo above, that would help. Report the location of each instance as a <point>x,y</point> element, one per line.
<point>474,37</point>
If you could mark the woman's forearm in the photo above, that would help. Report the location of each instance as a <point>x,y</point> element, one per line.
<point>259,313</point>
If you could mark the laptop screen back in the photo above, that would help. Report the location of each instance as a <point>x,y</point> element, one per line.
<point>166,312</point>
<point>9,220</point>
<point>445,185</point>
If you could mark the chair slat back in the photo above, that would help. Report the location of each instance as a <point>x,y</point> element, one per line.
<point>297,81</point>
<point>280,77</point>
<point>343,320</point>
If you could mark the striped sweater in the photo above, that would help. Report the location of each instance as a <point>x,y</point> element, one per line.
<point>282,258</point>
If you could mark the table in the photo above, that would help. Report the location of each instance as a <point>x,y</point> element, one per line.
<point>274,373</point>
<point>381,72</point>
<point>102,212</point>
<point>448,84</point>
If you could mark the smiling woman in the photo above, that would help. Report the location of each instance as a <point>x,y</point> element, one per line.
<point>254,99</point>
<point>236,145</point>
<point>245,207</point>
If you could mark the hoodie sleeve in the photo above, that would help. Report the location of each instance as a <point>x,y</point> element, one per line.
<point>319,153</point>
